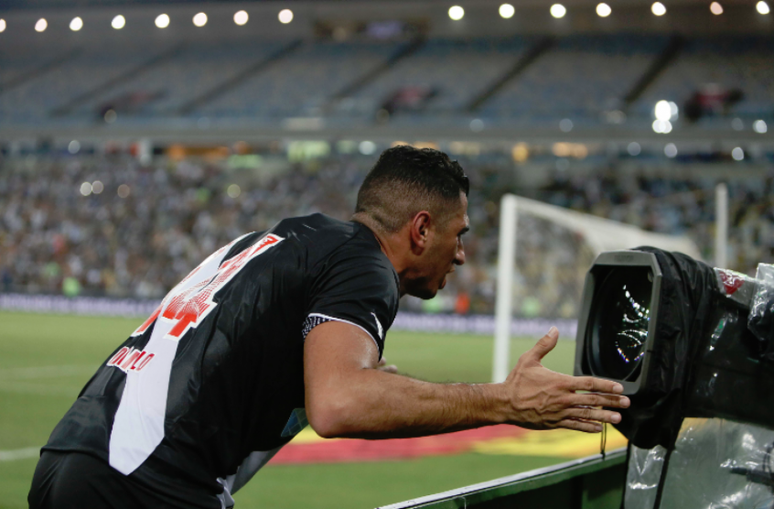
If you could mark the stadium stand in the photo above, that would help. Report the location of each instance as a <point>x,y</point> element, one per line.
<point>730,63</point>
<point>580,77</point>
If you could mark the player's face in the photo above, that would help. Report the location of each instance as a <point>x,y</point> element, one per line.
<point>444,252</point>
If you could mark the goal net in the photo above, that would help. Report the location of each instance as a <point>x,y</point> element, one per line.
<point>543,255</point>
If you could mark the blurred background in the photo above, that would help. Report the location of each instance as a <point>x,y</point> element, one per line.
<point>136,137</point>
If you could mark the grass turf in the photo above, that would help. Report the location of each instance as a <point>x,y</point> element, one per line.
<point>69,348</point>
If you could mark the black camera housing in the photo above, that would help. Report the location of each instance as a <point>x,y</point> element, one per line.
<point>674,332</point>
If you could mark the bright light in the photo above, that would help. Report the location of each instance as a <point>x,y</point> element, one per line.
<point>507,11</point>
<point>456,12</point>
<point>233,191</point>
<point>86,189</point>
<point>123,191</point>
<point>200,19</point>
<point>118,22</point>
<point>2,25</point>
<point>716,8</point>
<point>97,187</point>
<point>604,10</point>
<point>367,148</point>
<point>674,109</point>
<point>41,25</point>
<point>662,126</point>
<point>476,125</point>
<point>76,24</point>
<point>760,127</point>
<point>74,147</point>
<point>162,20</point>
<point>737,154</point>
<point>663,111</point>
<point>658,9</point>
<point>670,150</point>
<point>241,17</point>
<point>558,11</point>
<point>762,7</point>
<point>634,149</point>
<point>565,125</point>
<point>285,16</point>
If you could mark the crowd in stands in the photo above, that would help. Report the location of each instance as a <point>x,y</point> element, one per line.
<point>108,225</point>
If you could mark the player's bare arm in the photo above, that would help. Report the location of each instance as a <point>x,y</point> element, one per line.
<point>347,396</point>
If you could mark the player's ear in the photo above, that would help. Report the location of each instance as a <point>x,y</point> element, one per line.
<point>420,231</point>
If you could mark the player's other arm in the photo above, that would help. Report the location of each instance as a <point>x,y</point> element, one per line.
<point>346,396</point>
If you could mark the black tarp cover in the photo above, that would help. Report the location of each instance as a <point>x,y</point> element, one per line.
<point>688,289</point>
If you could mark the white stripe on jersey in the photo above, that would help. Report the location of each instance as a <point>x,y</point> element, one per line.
<point>138,427</point>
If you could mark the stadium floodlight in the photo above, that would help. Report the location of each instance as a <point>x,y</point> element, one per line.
<point>603,10</point>
<point>760,127</point>
<point>118,22</point>
<point>41,25</point>
<point>558,11</point>
<point>662,126</point>
<point>658,9</point>
<point>670,150</point>
<point>86,189</point>
<point>241,17</point>
<point>162,20</point>
<point>76,24</point>
<point>456,12</point>
<point>737,154</point>
<point>762,8</point>
<point>684,340</point>
<point>663,110</point>
<point>285,16</point>
<point>2,25</point>
<point>716,8</point>
<point>507,11</point>
<point>200,19</point>
<point>97,187</point>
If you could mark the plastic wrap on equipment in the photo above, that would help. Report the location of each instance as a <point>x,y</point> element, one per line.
<point>761,318</point>
<point>715,464</point>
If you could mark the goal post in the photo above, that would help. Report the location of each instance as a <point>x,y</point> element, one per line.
<point>597,233</point>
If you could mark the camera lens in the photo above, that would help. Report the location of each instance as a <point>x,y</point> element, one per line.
<point>619,328</point>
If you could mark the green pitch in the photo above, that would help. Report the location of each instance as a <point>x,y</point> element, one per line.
<point>46,359</point>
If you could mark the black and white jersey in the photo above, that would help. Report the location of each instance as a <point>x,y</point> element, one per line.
<point>216,373</point>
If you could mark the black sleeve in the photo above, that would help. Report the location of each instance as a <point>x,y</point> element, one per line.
<point>356,285</point>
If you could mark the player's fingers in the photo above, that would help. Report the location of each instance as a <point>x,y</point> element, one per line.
<point>600,400</point>
<point>579,425</point>
<point>592,414</point>
<point>591,384</point>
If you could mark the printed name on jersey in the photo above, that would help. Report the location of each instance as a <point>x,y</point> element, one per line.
<point>130,359</point>
<point>187,306</point>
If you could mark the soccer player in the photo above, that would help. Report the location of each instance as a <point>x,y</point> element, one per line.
<point>287,327</point>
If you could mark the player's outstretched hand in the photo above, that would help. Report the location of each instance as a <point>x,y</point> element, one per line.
<point>543,399</point>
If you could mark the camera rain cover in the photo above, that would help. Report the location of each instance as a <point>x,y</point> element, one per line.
<point>688,288</point>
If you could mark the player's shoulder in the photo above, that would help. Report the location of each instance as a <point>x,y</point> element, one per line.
<point>326,234</point>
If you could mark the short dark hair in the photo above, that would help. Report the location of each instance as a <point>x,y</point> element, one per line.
<point>406,180</point>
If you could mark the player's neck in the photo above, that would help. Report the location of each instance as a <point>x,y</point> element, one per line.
<point>395,246</point>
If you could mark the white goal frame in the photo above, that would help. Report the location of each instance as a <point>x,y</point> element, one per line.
<point>601,235</point>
